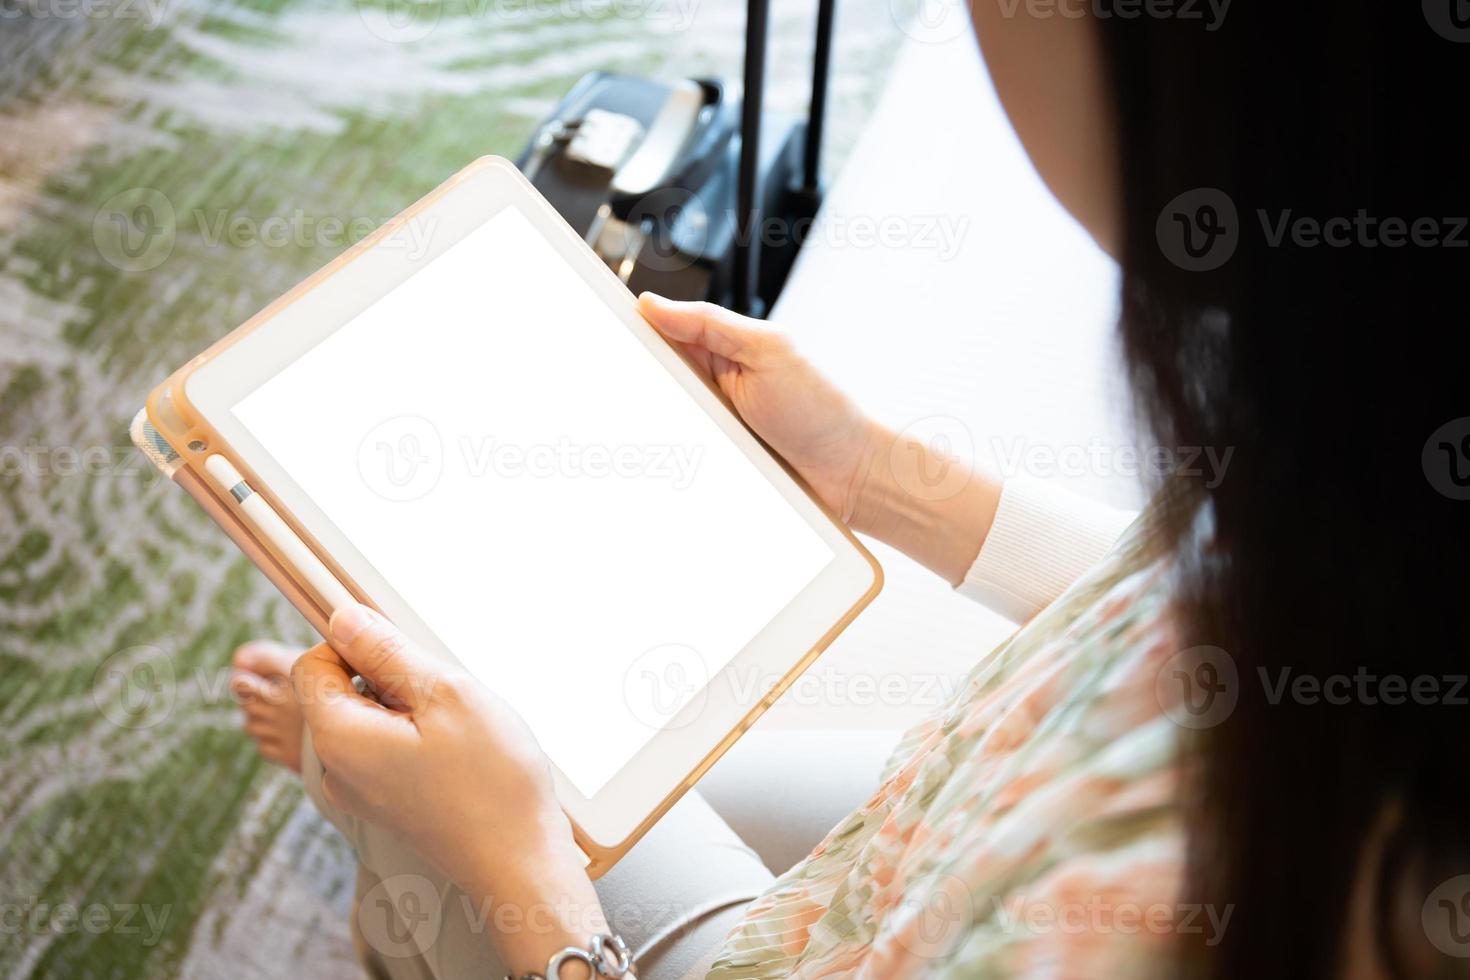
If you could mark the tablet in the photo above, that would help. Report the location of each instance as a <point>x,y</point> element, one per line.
<point>470,424</point>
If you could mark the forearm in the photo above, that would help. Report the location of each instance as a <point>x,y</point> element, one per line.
<point>934,508</point>
<point>535,901</point>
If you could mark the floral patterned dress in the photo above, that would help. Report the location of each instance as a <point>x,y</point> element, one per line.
<point>1029,829</point>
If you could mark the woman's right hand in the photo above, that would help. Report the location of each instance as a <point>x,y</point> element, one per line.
<point>874,480</point>
<point>798,412</point>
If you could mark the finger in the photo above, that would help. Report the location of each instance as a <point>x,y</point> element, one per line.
<point>322,684</point>
<point>376,649</point>
<point>713,328</point>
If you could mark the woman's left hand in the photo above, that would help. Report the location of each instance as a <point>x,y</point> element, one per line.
<point>446,766</point>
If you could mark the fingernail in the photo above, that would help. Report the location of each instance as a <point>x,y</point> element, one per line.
<point>347,622</point>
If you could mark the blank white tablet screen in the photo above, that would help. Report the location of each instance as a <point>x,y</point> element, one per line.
<point>540,490</point>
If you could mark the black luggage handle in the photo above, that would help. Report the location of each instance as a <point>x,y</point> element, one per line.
<point>747,195</point>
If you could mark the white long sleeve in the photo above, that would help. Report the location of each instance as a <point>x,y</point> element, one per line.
<point>1042,539</point>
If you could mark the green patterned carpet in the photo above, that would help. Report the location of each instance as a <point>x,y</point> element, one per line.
<point>139,834</point>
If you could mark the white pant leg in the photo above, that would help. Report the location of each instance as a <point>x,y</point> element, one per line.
<point>672,898</point>
<point>819,776</point>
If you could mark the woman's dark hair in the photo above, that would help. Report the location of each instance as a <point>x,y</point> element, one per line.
<point>1321,333</point>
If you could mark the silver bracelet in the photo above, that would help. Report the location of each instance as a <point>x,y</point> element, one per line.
<point>606,956</point>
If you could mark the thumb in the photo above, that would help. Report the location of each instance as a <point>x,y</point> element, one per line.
<point>322,685</point>
<point>383,656</point>
<point>714,328</point>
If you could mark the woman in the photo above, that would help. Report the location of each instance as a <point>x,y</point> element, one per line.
<point>1226,749</point>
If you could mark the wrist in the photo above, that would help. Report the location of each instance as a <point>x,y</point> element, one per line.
<point>870,500</point>
<point>519,855</point>
<point>934,507</point>
<point>537,903</point>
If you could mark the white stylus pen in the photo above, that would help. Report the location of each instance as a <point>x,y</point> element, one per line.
<point>264,520</point>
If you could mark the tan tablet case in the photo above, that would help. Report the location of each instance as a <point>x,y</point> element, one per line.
<point>178,440</point>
